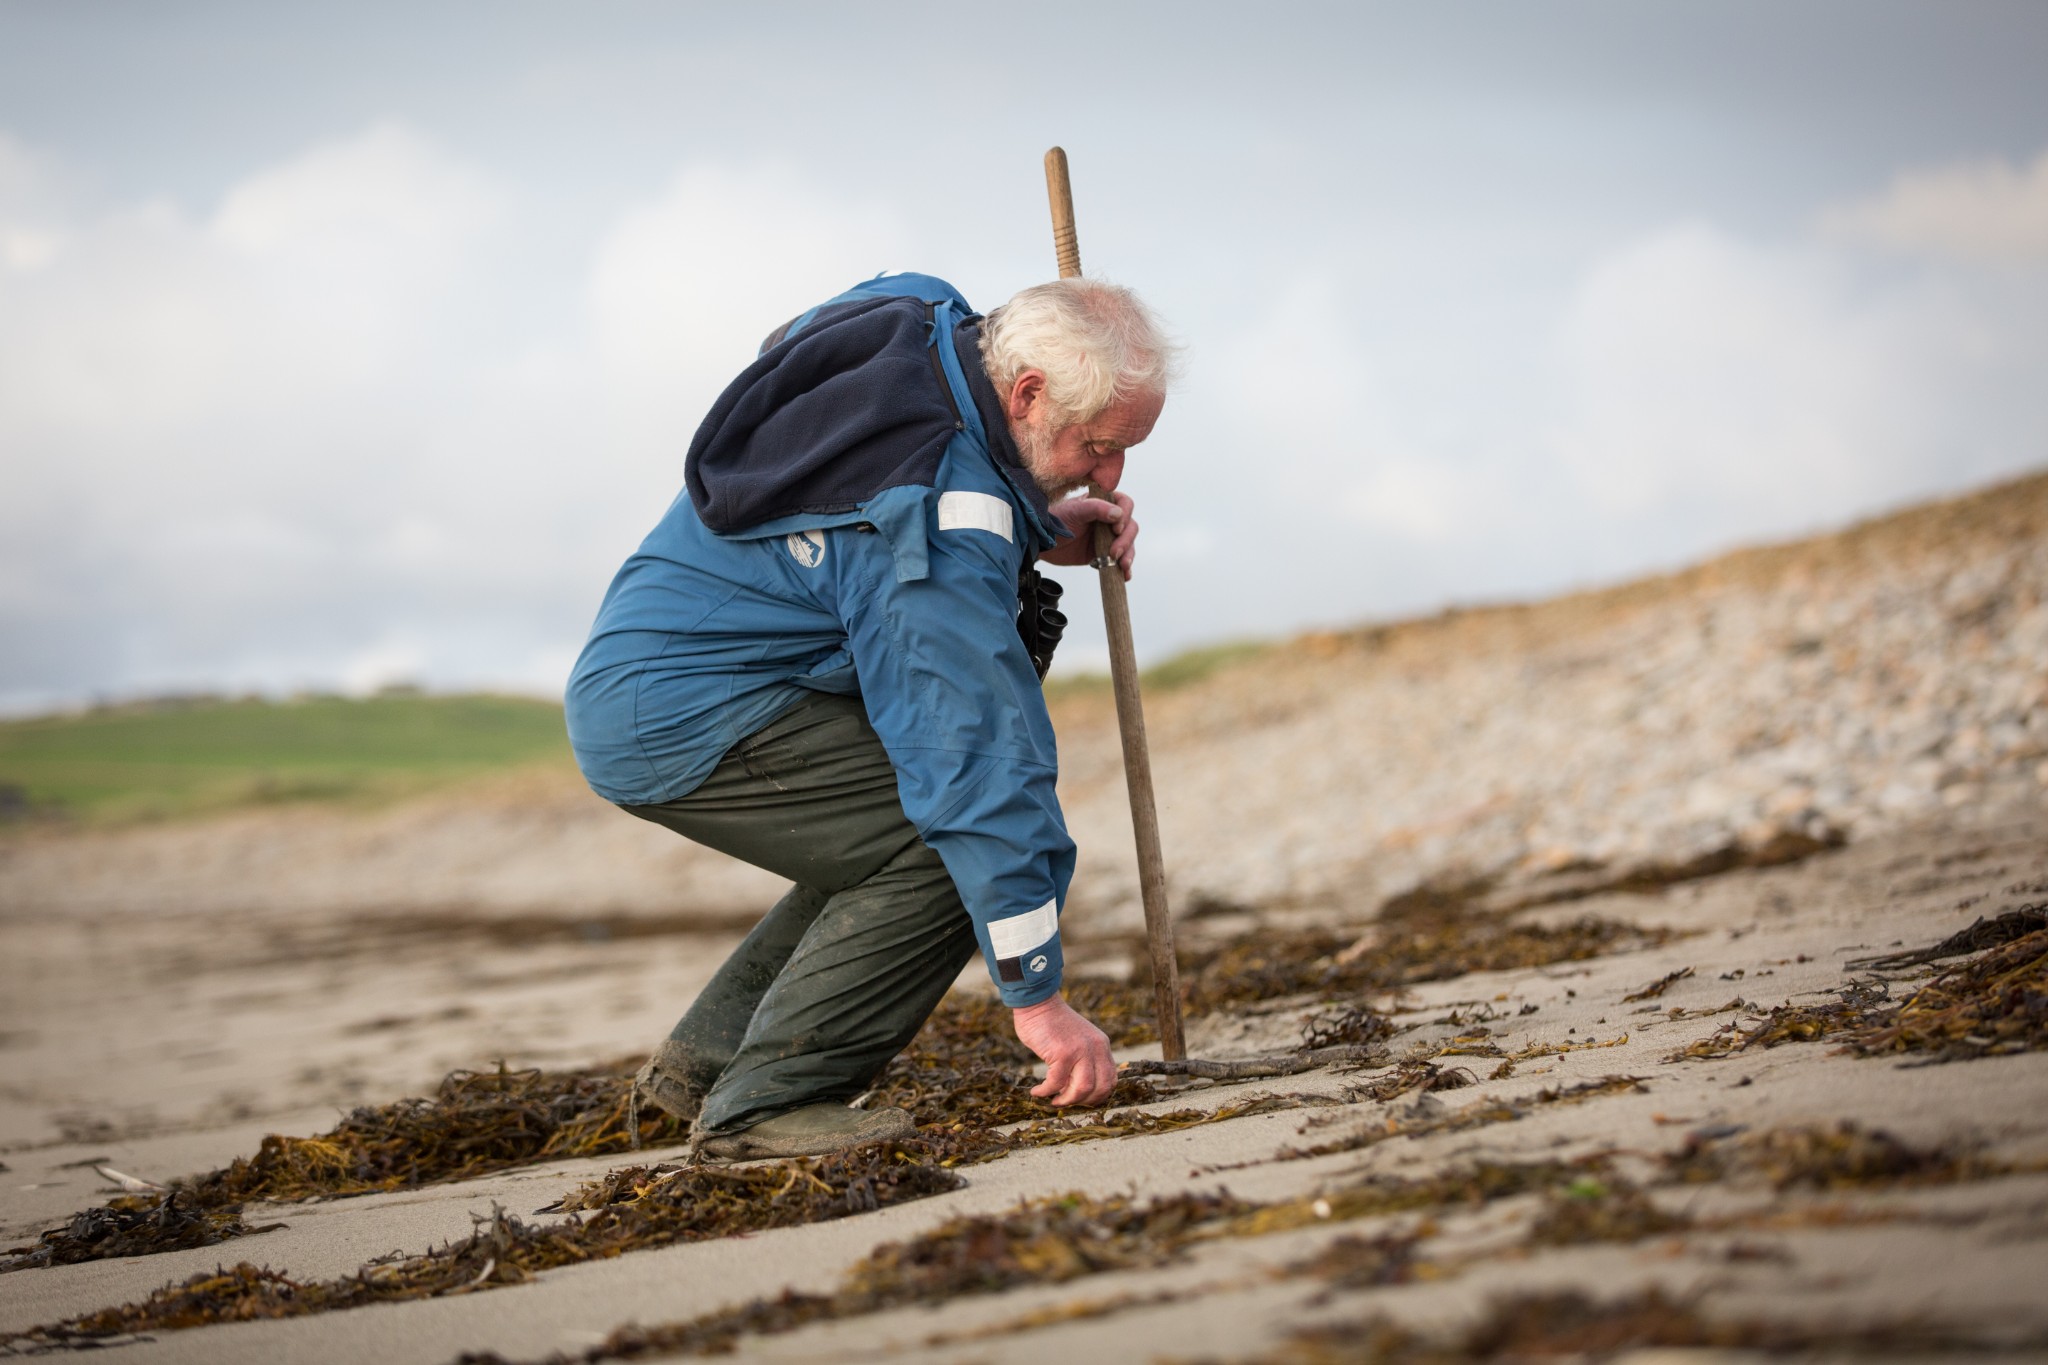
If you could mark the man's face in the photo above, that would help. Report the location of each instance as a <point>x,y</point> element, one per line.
<point>1062,459</point>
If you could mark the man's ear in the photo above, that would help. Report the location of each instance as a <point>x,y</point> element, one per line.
<point>1024,395</point>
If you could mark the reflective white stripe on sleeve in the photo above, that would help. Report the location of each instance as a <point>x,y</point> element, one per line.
<point>975,512</point>
<point>1019,934</point>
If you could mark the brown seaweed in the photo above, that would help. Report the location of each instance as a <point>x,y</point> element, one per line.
<point>1994,1004</point>
<point>1598,1206</point>
<point>688,1205</point>
<point>1138,1123</point>
<point>475,1123</point>
<point>1466,1186</point>
<point>1429,1118</point>
<point>1984,933</point>
<point>1046,1241</point>
<point>966,1063</point>
<point>1356,1262</point>
<point>965,1067</point>
<point>1856,1006</point>
<point>1059,1239</point>
<point>1843,1156</point>
<point>1657,987</point>
<point>1409,1075</point>
<point>1353,1026</point>
<point>1574,1326</point>
<point>1420,937</point>
<point>135,1225</point>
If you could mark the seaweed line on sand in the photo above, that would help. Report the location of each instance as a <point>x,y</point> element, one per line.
<point>636,1208</point>
<point>957,1144</point>
<point>476,1123</point>
<point>1428,1117</point>
<point>1993,1004</point>
<point>697,1204</point>
<point>1061,1239</point>
<point>1574,1326</point>
<point>964,1067</point>
<point>1044,1241</point>
<point>962,1075</point>
<point>966,1064</point>
<point>1049,1241</point>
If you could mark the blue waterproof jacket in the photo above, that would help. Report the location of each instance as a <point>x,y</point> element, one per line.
<point>854,520</point>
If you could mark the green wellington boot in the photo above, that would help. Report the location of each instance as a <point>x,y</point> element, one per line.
<point>814,1130</point>
<point>665,1083</point>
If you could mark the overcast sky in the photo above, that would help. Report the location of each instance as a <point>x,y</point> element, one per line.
<point>356,343</point>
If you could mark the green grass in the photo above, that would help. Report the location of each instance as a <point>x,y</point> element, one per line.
<point>1189,666</point>
<point>1193,665</point>
<point>156,760</point>
<point>165,759</point>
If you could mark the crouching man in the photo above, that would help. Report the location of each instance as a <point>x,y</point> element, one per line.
<point>825,660</point>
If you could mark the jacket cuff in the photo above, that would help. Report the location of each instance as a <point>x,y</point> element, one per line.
<point>1023,954</point>
<point>1030,993</point>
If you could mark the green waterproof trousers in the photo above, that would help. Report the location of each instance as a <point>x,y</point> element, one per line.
<point>841,973</point>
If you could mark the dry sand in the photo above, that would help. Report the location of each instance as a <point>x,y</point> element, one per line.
<point>1976,1256</point>
<point>172,993</point>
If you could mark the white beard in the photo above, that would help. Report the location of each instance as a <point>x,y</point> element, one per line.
<point>1034,448</point>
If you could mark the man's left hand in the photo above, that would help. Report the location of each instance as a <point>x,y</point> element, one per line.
<point>1079,515</point>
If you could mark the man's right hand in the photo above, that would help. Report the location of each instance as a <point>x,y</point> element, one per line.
<point>1078,1067</point>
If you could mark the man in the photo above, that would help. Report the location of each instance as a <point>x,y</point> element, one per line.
<point>814,663</point>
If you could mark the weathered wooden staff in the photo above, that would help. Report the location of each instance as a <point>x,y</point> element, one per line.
<point>1123,672</point>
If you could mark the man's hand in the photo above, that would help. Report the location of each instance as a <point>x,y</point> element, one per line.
<point>1078,1067</point>
<point>1079,515</point>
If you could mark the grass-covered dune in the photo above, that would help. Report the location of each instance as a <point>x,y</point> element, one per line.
<point>172,757</point>
<point>160,759</point>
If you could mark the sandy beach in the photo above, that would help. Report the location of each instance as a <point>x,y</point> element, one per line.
<point>1778,766</point>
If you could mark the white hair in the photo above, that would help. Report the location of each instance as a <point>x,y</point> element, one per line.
<point>1095,343</point>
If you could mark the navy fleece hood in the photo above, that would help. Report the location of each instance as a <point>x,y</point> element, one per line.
<point>847,404</point>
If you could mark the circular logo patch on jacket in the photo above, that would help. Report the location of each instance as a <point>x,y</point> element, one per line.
<point>806,547</point>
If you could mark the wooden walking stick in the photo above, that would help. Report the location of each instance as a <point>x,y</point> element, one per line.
<point>1123,672</point>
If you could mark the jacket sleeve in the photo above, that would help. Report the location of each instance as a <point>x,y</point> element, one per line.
<point>950,690</point>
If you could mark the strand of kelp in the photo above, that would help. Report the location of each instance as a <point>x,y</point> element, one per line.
<point>1576,1326</point>
<point>652,1206</point>
<point>476,1122</point>
<point>963,1066</point>
<point>964,1063</point>
<point>635,1208</point>
<point>1994,1004</point>
<point>1069,1237</point>
<point>642,1207</point>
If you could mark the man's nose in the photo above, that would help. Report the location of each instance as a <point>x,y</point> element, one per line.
<point>1109,472</point>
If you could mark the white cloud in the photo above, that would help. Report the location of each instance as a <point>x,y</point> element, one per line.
<point>377,414</point>
<point>312,435</point>
<point>394,659</point>
<point>1416,499</point>
<point>1335,440</point>
<point>683,288</point>
<point>1740,390</point>
<point>1986,209</point>
<point>1189,541</point>
<point>1693,389</point>
<point>1317,425</point>
<point>385,196</point>
<point>32,191</point>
